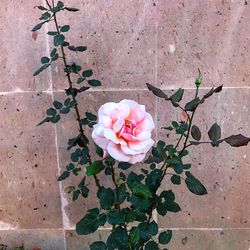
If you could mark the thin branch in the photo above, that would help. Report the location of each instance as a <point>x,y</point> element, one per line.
<point>70,82</point>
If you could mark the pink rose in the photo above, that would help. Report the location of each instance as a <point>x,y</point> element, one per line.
<point>124,131</point>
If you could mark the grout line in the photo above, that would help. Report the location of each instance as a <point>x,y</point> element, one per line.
<point>112,90</point>
<point>50,89</point>
<point>109,228</point>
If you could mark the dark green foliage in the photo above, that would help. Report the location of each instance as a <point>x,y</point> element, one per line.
<point>77,49</point>
<point>124,165</point>
<point>95,168</point>
<point>196,133</point>
<point>65,28</point>
<point>152,245</point>
<point>64,176</point>
<point>214,132</point>
<point>176,179</point>
<point>98,245</point>
<point>107,198</point>
<point>191,106</point>
<point>71,9</point>
<point>37,27</point>
<point>94,83</point>
<point>59,39</point>
<point>117,239</point>
<point>45,66</point>
<point>165,237</point>
<point>156,91</point>
<point>90,222</point>
<point>177,96</point>
<point>237,140</point>
<point>194,185</point>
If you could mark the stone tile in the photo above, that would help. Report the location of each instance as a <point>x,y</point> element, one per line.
<point>210,35</point>
<point>82,242</point>
<point>28,164</point>
<point>120,37</point>
<point>44,239</point>
<point>68,129</point>
<point>20,49</point>
<point>210,239</point>
<point>223,170</point>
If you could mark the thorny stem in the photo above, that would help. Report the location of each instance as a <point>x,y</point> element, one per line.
<point>70,82</point>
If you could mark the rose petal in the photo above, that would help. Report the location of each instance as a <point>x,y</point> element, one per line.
<point>128,150</point>
<point>115,151</point>
<point>107,108</point>
<point>137,158</point>
<point>117,126</point>
<point>106,121</point>
<point>141,145</point>
<point>110,134</point>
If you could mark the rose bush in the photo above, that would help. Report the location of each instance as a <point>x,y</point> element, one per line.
<point>124,131</point>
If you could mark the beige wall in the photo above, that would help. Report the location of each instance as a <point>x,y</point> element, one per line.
<point>129,43</point>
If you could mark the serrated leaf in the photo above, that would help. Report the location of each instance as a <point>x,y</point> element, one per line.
<point>194,185</point>
<point>139,189</point>
<point>37,27</point>
<point>156,91</point>
<point>165,237</point>
<point>176,179</point>
<point>64,176</point>
<point>94,83</point>
<point>65,28</point>
<point>98,245</point>
<point>87,73</point>
<point>107,198</point>
<point>51,111</point>
<point>44,59</point>
<point>59,39</point>
<point>196,133</point>
<point>177,96</point>
<point>214,132</point>
<point>95,168</point>
<point>237,140</point>
<point>57,104</point>
<point>191,106</point>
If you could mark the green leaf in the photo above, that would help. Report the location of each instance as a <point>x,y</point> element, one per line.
<point>65,28</point>
<point>124,165</point>
<point>65,110</point>
<point>59,39</point>
<point>55,9</point>
<point>173,207</point>
<point>165,237</point>
<point>98,150</point>
<point>45,66</point>
<point>80,79</point>
<point>107,198</point>
<point>37,27</point>
<point>52,33</point>
<point>176,179</point>
<point>55,119</point>
<point>156,91</point>
<point>237,140</point>
<point>94,83</point>
<point>151,245</point>
<point>75,195</point>
<point>70,167</point>
<point>41,8</point>
<point>90,116</point>
<point>117,239</point>
<point>57,105</point>
<point>153,228</point>
<point>98,245</point>
<point>214,132</point>
<point>139,189</point>
<point>196,133</point>
<point>44,60</point>
<point>53,52</point>
<point>51,111</point>
<point>45,16</point>
<point>191,106</point>
<point>194,185</point>
<point>71,9</point>
<point>134,235</point>
<point>177,96</point>
<point>64,176</point>
<point>218,89</point>
<point>60,4</point>
<point>115,218</point>
<point>95,168</point>
<point>87,73</point>
<point>90,223</point>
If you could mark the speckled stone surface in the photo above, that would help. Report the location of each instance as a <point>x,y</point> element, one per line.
<point>162,42</point>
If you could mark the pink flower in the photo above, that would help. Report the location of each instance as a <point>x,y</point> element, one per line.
<point>124,131</point>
